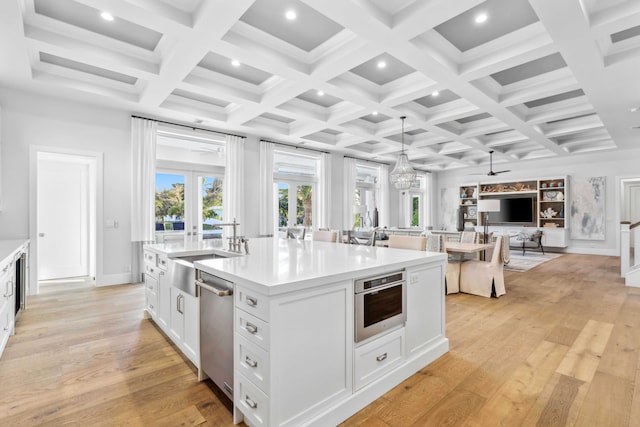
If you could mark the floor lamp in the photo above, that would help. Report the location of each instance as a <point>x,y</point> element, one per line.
<point>487,206</point>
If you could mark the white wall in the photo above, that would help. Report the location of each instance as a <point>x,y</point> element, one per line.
<point>612,165</point>
<point>33,120</point>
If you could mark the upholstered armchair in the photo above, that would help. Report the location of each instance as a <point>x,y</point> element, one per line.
<point>484,278</point>
<point>532,241</point>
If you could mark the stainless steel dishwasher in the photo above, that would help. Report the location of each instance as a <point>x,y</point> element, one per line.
<point>216,329</point>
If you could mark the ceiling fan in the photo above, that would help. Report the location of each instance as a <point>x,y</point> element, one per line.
<point>491,171</point>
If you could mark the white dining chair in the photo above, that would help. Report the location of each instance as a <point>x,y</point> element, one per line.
<point>324,236</point>
<point>484,278</point>
<point>418,243</point>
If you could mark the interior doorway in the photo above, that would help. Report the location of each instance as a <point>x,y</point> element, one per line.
<point>65,214</point>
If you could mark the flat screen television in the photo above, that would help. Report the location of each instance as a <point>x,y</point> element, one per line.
<point>518,210</point>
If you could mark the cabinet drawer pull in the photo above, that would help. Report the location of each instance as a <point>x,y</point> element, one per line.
<point>250,403</point>
<point>151,307</point>
<point>381,357</point>
<point>249,361</point>
<point>252,301</point>
<point>251,328</point>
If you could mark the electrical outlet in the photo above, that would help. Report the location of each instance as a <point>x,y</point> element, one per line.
<point>414,278</point>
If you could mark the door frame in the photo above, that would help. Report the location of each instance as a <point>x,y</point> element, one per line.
<point>96,190</point>
<point>621,183</point>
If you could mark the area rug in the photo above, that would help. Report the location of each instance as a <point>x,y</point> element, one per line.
<point>528,261</point>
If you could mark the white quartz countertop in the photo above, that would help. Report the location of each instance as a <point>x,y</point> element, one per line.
<point>276,265</point>
<point>9,247</point>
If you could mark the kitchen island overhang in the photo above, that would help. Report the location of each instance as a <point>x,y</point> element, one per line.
<point>295,314</point>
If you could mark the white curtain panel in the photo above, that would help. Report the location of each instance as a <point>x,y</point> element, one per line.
<point>323,191</point>
<point>143,177</point>
<point>349,193</point>
<point>383,204</point>
<point>233,186</point>
<point>267,225</point>
<point>143,193</point>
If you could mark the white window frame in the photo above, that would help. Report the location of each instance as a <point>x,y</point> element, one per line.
<point>293,181</point>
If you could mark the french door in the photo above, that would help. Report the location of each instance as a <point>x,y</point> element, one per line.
<point>188,204</point>
<point>294,203</point>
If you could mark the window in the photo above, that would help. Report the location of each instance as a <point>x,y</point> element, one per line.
<point>367,194</point>
<point>295,179</point>
<point>189,185</point>
<point>414,203</point>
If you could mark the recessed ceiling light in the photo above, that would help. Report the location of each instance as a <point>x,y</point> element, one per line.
<point>634,109</point>
<point>382,64</point>
<point>375,113</point>
<point>480,18</point>
<point>320,93</point>
<point>435,93</point>
<point>290,15</point>
<point>106,16</point>
<point>235,63</point>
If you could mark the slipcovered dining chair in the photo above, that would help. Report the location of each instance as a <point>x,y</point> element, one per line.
<point>325,236</point>
<point>484,278</point>
<point>418,243</point>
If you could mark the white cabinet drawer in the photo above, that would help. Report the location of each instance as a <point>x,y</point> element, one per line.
<point>253,362</point>
<point>252,328</point>
<point>151,270</point>
<point>252,402</point>
<point>252,302</point>
<point>374,359</point>
<point>150,258</point>
<point>163,262</point>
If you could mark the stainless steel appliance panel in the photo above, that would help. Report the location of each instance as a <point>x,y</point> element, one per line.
<point>380,304</point>
<point>216,330</point>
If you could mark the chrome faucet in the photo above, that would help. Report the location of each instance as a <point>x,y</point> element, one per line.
<point>235,242</point>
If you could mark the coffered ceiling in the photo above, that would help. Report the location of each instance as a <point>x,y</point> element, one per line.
<point>536,79</point>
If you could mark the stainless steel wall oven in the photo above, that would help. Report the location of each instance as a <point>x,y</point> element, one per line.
<point>380,304</point>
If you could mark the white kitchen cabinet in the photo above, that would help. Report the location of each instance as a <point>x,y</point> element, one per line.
<point>184,324</point>
<point>7,303</point>
<point>306,340</point>
<point>151,295</point>
<point>377,357</point>
<point>164,302</point>
<point>151,276</point>
<point>423,327</point>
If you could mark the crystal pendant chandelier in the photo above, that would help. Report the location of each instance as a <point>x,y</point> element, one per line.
<point>402,175</point>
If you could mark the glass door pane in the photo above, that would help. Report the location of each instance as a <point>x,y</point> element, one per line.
<point>415,211</point>
<point>210,207</point>
<point>170,214</point>
<point>304,206</point>
<point>283,204</point>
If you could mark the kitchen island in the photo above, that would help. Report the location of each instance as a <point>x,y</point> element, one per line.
<point>296,360</point>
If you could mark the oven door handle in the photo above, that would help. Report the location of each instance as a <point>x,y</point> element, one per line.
<point>381,288</point>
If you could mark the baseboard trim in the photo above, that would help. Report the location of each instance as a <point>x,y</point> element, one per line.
<point>114,279</point>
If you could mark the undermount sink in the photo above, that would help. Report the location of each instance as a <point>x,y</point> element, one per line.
<point>193,258</point>
<point>182,273</point>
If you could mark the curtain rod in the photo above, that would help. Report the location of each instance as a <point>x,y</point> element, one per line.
<point>294,146</point>
<point>367,160</point>
<point>187,126</point>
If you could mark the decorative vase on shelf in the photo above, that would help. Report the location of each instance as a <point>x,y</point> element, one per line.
<point>561,214</point>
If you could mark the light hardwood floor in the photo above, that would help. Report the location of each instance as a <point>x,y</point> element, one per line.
<point>560,348</point>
